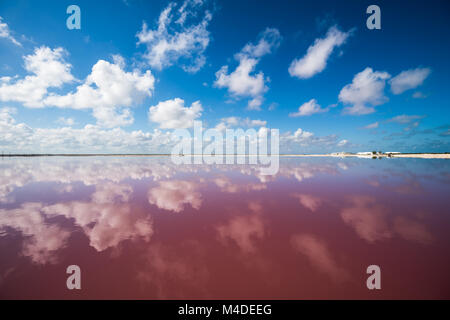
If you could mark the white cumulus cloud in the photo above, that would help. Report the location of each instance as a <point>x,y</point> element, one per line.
<point>365,92</point>
<point>179,35</point>
<point>21,138</point>
<point>308,108</point>
<point>172,114</point>
<point>243,82</point>
<point>316,57</point>
<point>109,91</point>
<point>47,69</point>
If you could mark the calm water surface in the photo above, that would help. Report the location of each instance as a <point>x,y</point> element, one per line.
<point>141,227</point>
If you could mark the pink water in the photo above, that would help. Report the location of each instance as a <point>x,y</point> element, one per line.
<point>142,227</point>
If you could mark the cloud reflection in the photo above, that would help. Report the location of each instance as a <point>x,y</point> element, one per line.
<point>108,219</point>
<point>319,256</point>
<point>41,238</point>
<point>308,201</point>
<point>367,218</point>
<point>244,230</point>
<point>374,222</point>
<point>173,195</point>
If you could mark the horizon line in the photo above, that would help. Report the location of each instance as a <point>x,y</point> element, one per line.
<point>200,154</point>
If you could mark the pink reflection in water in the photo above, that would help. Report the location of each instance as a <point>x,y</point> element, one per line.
<point>145,228</point>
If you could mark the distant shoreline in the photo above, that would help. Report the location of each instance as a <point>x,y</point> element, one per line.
<point>338,155</point>
<point>396,155</point>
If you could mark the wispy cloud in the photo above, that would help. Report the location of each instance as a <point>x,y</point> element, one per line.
<point>419,95</point>
<point>5,33</point>
<point>409,79</point>
<point>66,121</point>
<point>372,125</point>
<point>405,119</point>
<point>230,122</point>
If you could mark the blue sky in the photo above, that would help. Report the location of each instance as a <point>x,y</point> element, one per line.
<point>309,68</point>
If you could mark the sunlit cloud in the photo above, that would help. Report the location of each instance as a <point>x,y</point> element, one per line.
<point>317,55</point>
<point>180,35</point>
<point>243,81</point>
<point>365,92</point>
